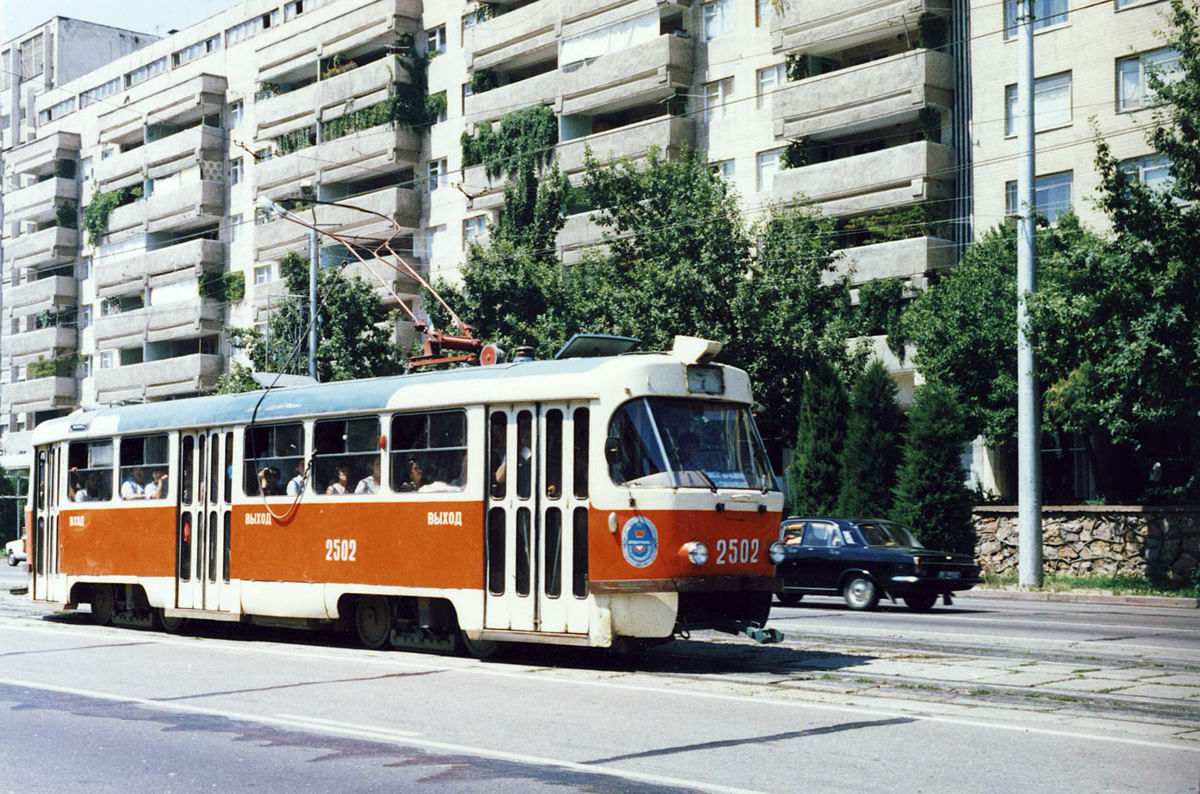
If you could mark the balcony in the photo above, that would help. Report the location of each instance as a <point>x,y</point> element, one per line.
<point>162,156</point>
<point>376,151</point>
<point>578,234</point>
<point>495,103</point>
<point>34,297</point>
<point>53,246</point>
<point>364,86</point>
<point>869,96</point>
<point>181,103</point>
<point>337,27</point>
<point>821,26</point>
<point>197,204</point>
<point>36,203</point>
<point>873,181</point>
<point>403,205</point>
<point>187,320</point>
<point>903,372</point>
<point>37,157</point>
<point>42,394</point>
<point>166,377</point>
<point>115,278</point>
<point>26,346</point>
<point>16,448</point>
<point>650,72</point>
<point>912,258</point>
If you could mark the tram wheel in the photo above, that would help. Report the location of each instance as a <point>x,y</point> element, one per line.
<point>479,649</point>
<point>373,620</point>
<point>103,603</point>
<point>171,625</point>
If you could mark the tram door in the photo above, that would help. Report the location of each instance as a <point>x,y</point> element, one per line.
<point>511,531</point>
<point>203,530</point>
<point>41,530</point>
<point>562,556</point>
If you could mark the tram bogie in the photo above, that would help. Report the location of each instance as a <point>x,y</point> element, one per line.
<point>589,501</point>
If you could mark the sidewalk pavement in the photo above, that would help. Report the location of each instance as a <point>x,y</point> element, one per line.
<point>1070,596</point>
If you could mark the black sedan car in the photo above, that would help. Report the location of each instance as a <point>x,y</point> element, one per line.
<point>865,559</point>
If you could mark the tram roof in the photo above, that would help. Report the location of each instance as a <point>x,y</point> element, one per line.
<point>348,397</point>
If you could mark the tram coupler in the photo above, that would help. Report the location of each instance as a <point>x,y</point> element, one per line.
<point>761,635</point>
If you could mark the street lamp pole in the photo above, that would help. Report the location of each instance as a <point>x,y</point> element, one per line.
<point>314,256</point>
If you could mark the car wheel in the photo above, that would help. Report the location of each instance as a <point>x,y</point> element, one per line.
<point>790,599</point>
<point>103,604</point>
<point>373,619</point>
<point>12,559</point>
<point>920,602</point>
<point>860,593</point>
<point>170,625</point>
<point>477,649</point>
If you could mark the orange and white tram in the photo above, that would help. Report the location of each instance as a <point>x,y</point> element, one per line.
<point>585,501</point>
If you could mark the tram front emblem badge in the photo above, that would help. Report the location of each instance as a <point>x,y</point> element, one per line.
<point>639,541</point>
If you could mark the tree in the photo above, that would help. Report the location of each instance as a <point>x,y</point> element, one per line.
<point>354,331</point>
<point>931,497</point>
<point>815,473</point>
<point>872,450</point>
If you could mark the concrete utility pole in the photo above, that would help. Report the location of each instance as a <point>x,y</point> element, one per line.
<point>314,256</point>
<point>1029,469</point>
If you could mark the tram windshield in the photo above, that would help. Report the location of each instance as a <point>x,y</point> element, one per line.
<point>682,443</point>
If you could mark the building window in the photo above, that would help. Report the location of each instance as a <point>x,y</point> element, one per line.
<point>251,27</point>
<point>440,99</point>
<point>769,80</point>
<point>144,73</point>
<point>262,155</point>
<point>108,359</point>
<point>32,55</point>
<point>1051,195</point>
<point>235,227</point>
<point>100,92</point>
<point>298,7</point>
<point>764,12</point>
<point>235,113</point>
<point>716,95</point>
<point>1153,171</point>
<point>1045,14</point>
<point>85,169</point>
<point>7,68</point>
<point>1128,3</point>
<point>85,317</point>
<point>468,22</point>
<point>474,229</point>
<point>1133,84</point>
<point>768,164</point>
<point>85,366</point>
<point>197,50</point>
<point>717,19</point>
<point>1051,104</point>
<point>436,174</point>
<point>57,111</point>
<point>435,41</point>
<point>85,267</point>
<point>264,274</point>
<point>235,171</point>
<point>723,169</point>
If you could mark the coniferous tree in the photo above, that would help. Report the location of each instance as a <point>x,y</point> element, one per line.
<point>815,471</point>
<point>872,449</point>
<point>931,497</point>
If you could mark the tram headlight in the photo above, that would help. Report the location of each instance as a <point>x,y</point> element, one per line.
<point>777,552</point>
<point>697,552</point>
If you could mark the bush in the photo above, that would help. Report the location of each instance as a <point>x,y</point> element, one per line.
<point>872,449</point>
<point>931,496</point>
<point>815,472</point>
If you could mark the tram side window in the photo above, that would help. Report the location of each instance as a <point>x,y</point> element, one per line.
<point>347,456</point>
<point>144,468</point>
<point>91,471</point>
<point>274,456</point>
<point>429,452</point>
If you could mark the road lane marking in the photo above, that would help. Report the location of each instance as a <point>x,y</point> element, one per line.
<point>387,736</point>
<point>350,726</point>
<point>532,676</point>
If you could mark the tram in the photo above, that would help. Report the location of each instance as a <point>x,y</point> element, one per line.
<point>593,500</point>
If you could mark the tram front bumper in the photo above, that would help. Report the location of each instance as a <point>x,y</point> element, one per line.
<point>692,584</point>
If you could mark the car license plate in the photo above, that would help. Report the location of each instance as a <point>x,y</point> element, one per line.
<point>948,574</point>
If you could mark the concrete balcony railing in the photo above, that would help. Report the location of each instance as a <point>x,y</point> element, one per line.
<point>375,151</point>
<point>495,103</point>
<point>195,204</point>
<point>33,297</point>
<point>115,278</point>
<point>37,157</point>
<point>912,259</point>
<point>194,318</point>
<point>337,27</point>
<point>42,394</point>
<point>365,86</point>
<point>822,26</point>
<point>41,341</point>
<point>163,155</point>
<point>179,103</point>
<point>873,181</point>
<point>53,246</point>
<point>869,96</point>
<point>38,201</point>
<point>648,72</point>
<point>579,233</point>
<point>15,446</point>
<point>166,377</point>
<point>403,205</point>
<point>903,371</point>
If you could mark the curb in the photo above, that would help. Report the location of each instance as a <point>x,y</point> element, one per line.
<point>1082,598</point>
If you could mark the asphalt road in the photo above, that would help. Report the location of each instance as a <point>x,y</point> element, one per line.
<point>92,709</point>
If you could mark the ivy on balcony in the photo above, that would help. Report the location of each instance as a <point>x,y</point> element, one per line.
<point>64,168</point>
<point>920,220</point>
<point>484,80</point>
<point>61,365</point>
<point>795,154</point>
<point>532,132</point>
<point>296,140</point>
<point>334,65</point>
<point>95,214</point>
<point>223,286</point>
<point>932,31</point>
<point>66,215</point>
<point>267,90</point>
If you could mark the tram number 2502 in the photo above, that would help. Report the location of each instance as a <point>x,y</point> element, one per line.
<point>340,549</point>
<point>734,551</point>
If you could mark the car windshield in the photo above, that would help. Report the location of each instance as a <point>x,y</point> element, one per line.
<point>885,533</point>
<point>684,443</point>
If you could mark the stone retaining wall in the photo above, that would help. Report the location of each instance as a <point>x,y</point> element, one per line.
<point>1097,540</point>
